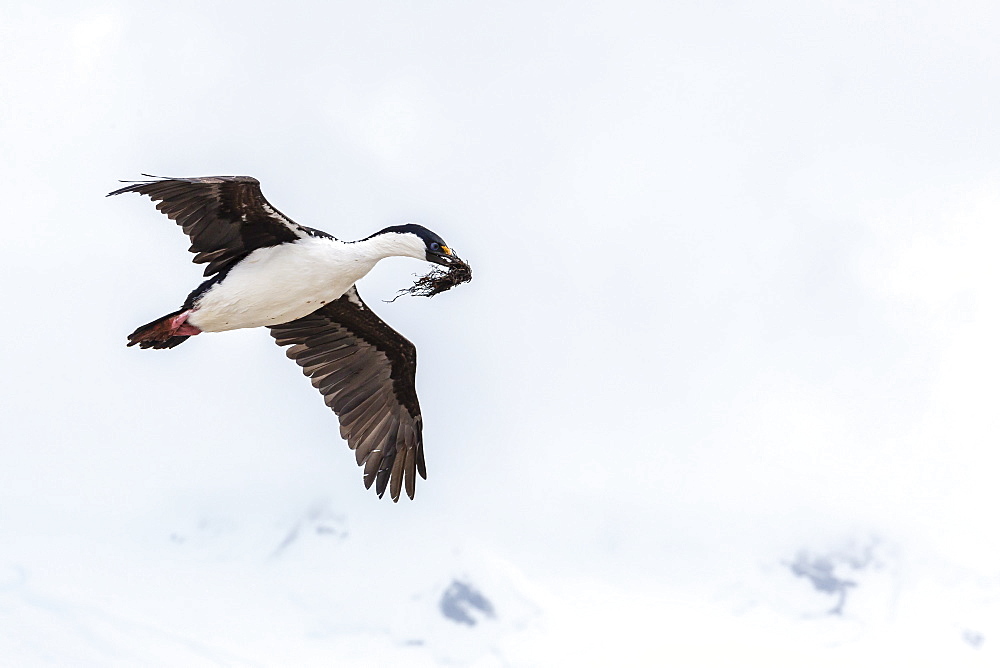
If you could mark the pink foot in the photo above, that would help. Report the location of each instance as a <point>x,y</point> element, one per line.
<point>179,325</point>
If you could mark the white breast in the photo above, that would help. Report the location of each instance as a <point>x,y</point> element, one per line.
<point>281,283</point>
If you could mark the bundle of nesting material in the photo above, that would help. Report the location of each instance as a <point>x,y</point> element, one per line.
<point>439,280</point>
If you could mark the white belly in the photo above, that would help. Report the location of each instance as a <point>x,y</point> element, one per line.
<point>279,284</point>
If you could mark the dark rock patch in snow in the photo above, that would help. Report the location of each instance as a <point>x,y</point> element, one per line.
<point>973,638</point>
<point>820,571</point>
<point>459,601</point>
<point>826,571</point>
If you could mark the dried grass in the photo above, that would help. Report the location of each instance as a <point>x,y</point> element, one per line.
<point>439,280</point>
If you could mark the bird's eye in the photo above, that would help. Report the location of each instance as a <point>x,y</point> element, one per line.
<point>435,246</point>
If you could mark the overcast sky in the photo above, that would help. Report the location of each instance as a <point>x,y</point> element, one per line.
<point>734,265</point>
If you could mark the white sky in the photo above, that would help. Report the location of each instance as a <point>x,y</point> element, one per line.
<point>734,272</point>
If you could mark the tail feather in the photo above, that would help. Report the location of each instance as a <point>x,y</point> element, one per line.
<point>157,334</point>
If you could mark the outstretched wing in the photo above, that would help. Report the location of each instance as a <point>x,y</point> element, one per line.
<point>226,217</point>
<point>365,371</point>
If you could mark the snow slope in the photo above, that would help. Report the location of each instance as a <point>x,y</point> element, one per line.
<point>258,589</point>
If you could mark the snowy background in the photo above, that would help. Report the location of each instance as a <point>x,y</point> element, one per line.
<point>723,392</point>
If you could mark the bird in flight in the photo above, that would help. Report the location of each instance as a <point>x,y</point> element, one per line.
<point>265,270</point>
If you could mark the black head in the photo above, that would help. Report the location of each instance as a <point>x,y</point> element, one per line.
<point>436,250</point>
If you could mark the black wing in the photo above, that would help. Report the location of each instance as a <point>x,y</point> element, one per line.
<point>226,217</point>
<point>365,371</point>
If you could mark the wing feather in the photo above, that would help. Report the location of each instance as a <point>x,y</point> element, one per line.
<point>363,411</point>
<point>226,217</point>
